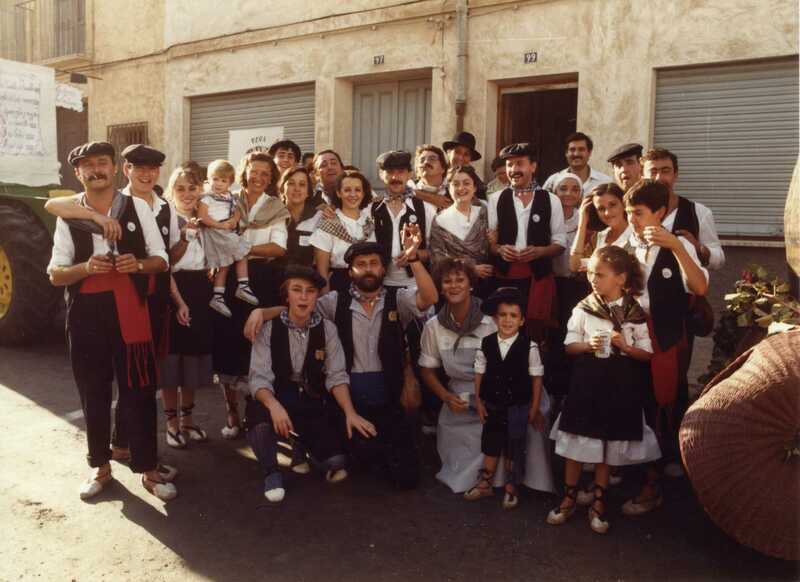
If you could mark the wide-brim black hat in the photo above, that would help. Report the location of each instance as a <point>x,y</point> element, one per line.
<point>92,148</point>
<point>286,144</point>
<point>142,155</point>
<point>502,295</point>
<point>365,248</point>
<point>309,274</point>
<point>463,138</point>
<point>625,150</point>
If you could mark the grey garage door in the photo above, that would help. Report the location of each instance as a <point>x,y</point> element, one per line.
<point>735,132</point>
<point>214,115</point>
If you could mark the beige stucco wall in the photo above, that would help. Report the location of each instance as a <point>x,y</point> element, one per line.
<point>614,46</point>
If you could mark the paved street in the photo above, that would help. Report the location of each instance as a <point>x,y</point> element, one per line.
<point>219,527</point>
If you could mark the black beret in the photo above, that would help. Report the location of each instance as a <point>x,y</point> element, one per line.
<point>295,271</point>
<point>93,148</point>
<point>394,160</point>
<point>625,150</point>
<point>502,295</point>
<point>285,144</point>
<point>516,150</point>
<point>365,248</point>
<point>142,155</point>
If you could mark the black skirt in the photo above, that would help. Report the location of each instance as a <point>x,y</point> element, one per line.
<point>196,290</point>
<point>606,398</point>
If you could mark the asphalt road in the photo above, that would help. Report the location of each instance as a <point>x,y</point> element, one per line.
<point>221,528</point>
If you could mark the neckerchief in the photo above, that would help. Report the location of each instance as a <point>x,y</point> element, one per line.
<point>356,294</point>
<point>271,212</point>
<point>440,190</point>
<point>471,321</point>
<point>313,321</point>
<point>529,188</point>
<point>407,193</point>
<point>335,227</point>
<point>630,311</point>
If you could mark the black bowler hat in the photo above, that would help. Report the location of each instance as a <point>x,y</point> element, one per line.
<point>285,144</point>
<point>625,150</point>
<point>305,273</point>
<point>502,295</point>
<point>463,138</point>
<point>516,150</point>
<point>141,155</point>
<point>365,248</point>
<point>93,148</point>
<point>394,160</point>
<point>497,163</point>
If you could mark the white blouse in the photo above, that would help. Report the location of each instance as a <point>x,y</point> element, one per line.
<point>194,259</point>
<point>277,233</point>
<point>621,241</point>
<point>561,262</point>
<point>455,222</point>
<point>583,326</point>
<point>336,246</point>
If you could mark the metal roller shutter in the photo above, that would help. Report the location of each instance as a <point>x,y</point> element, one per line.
<point>735,132</point>
<point>213,116</point>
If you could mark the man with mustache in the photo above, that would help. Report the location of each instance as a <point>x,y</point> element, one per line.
<point>399,207</point>
<point>579,150</point>
<point>530,232</point>
<point>627,165</point>
<point>370,320</point>
<point>108,323</point>
<point>431,167</point>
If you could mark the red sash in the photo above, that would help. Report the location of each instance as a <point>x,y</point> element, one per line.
<point>541,293</point>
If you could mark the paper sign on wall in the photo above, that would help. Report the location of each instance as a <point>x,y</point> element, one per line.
<point>240,141</point>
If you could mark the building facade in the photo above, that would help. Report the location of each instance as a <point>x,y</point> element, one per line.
<point>716,81</point>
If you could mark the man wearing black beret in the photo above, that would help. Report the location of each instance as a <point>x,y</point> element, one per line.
<point>108,321</point>
<point>627,164</point>
<point>530,232</point>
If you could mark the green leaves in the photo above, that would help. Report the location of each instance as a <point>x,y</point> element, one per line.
<point>761,299</point>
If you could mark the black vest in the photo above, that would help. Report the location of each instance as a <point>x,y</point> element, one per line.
<point>313,374</point>
<point>391,340</point>
<point>163,219</point>
<point>686,217</point>
<point>383,225</point>
<point>669,301</point>
<point>132,242</point>
<point>295,253</point>
<point>538,228</point>
<point>506,382</point>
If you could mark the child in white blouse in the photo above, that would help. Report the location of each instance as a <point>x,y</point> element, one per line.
<point>602,421</point>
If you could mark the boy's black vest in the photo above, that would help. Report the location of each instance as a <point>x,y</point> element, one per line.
<point>538,228</point>
<point>669,301</point>
<point>313,365</point>
<point>132,242</point>
<point>391,339</point>
<point>506,381</point>
<point>163,219</point>
<point>383,225</point>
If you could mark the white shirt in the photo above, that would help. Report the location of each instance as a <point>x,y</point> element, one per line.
<point>647,258</point>
<point>397,276</point>
<point>277,233</point>
<point>456,223</point>
<point>558,233</point>
<point>708,236</point>
<point>158,203</point>
<point>620,241</point>
<point>595,179</point>
<point>336,246</point>
<point>535,367</point>
<point>64,248</point>
<point>561,262</point>
<point>194,259</point>
<point>308,225</point>
<point>583,326</point>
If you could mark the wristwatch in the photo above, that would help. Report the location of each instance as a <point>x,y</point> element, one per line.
<point>139,266</point>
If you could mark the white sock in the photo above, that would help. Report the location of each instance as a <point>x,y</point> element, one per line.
<point>219,290</point>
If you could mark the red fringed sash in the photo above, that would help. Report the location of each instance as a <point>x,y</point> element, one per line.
<point>541,293</point>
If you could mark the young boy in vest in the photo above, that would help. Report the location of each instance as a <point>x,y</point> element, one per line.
<point>508,391</point>
<point>297,371</point>
<point>672,275</point>
<point>530,231</point>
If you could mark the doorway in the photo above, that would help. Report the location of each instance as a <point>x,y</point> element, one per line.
<point>543,116</point>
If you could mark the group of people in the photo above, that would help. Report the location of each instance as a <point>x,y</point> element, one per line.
<point>515,320</point>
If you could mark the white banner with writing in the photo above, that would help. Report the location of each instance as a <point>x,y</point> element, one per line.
<point>240,141</point>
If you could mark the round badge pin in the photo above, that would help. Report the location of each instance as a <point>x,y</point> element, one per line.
<point>666,273</point>
<point>131,227</point>
<point>412,219</point>
<point>164,230</point>
<point>536,218</point>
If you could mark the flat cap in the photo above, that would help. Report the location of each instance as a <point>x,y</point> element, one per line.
<point>365,248</point>
<point>142,155</point>
<point>502,295</point>
<point>516,150</point>
<point>93,148</point>
<point>285,144</point>
<point>625,150</point>
<point>295,271</point>
<point>394,160</point>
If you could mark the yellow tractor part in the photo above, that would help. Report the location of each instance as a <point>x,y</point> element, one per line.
<point>6,283</point>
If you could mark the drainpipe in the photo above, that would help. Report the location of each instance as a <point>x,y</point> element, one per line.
<point>461,63</point>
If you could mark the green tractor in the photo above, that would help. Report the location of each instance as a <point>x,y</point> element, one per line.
<point>28,302</point>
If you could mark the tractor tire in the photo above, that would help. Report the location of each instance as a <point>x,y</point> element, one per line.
<point>28,301</point>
